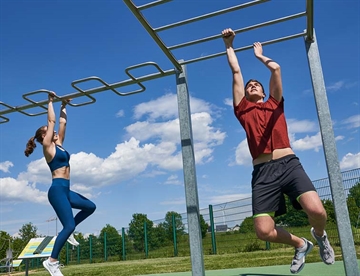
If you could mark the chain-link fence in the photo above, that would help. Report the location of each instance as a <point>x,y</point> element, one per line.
<point>223,230</point>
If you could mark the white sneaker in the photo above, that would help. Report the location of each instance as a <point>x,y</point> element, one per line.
<point>52,267</point>
<point>72,240</point>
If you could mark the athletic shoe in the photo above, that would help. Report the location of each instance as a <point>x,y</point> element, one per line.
<point>52,267</point>
<point>326,251</point>
<point>298,261</point>
<point>72,240</point>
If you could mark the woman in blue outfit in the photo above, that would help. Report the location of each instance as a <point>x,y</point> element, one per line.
<point>61,198</point>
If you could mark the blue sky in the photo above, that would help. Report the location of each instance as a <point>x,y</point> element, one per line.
<point>125,151</point>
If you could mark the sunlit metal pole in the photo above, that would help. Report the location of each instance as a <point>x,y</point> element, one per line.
<point>331,158</point>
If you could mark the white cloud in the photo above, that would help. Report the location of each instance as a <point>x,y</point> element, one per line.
<point>4,166</point>
<point>173,180</point>
<point>166,107</point>
<point>242,154</point>
<point>351,84</point>
<point>178,201</point>
<point>307,91</point>
<point>15,190</point>
<point>229,102</point>
<point>352,122</point>
<point>310,142</point>
<point>296,126</point>
<point>335,86</point>
<point>120,113</point>
<point>350,161</point>
<point>227,198</point>
<point>37,172</point>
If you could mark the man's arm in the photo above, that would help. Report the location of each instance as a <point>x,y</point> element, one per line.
<point>238,82</point>
<point>275,79</point>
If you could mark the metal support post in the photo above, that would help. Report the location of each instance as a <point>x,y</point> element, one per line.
<point>331,158</point>
<point>191,191</point>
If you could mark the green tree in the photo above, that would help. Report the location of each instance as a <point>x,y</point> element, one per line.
<point>5,242</point>
<point>18,246</point>
<point>158,236</point>
<point>293,217</point>
<point>247,226</point>
<point>27,232</point>
<point>113,240</point>
<point>354,211</point>
<point>330,210</point>
<point>354,192</point>
<point>137,233</point>
<point>204,226</point>
<point>168,225</point>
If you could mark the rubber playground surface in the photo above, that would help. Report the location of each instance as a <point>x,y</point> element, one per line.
<point>312,269</point>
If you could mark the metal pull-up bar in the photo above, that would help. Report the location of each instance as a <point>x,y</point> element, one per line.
<point>167,51</point>
<point>87,92</point>
<point>153,32</point>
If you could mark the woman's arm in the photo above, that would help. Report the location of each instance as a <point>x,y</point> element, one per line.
<point>62,121</point>
<point>48,146</point>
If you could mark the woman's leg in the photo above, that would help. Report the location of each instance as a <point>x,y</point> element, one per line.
<point>86,206</point>
<point>59,200</point>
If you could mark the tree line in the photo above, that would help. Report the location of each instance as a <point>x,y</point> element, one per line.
<point>142,232</point>
<point>157,235</point>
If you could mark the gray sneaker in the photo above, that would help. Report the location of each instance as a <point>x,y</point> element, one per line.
<point>326,251</point>
<point>298,261</point>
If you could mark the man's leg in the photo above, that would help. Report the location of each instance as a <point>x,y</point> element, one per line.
<point>315,210</point>
<point>267,231</point>
<point>313,207</point>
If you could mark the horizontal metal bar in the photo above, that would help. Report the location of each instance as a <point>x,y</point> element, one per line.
<point>152,4</point>
<point>197,18</point>
<point>245,48</point>
<point>151,32</point>
<point>310,20</point>
<point>4,119</point>
<point>286,18</point>
<point>91,91</point>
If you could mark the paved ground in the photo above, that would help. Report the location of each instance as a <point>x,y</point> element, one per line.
<point>313,269</point>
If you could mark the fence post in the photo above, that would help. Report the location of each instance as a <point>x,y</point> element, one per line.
<point>174,235</point>
<point>78,254</point>
<point>213,238</point>
<point>123,244</point>
<point>267,244</point>
<point>146,241</point>
<point>90,244</point>
<point>105,249</point>
<point>67,253</point>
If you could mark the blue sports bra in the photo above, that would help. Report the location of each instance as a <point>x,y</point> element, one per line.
<point>61,159</point>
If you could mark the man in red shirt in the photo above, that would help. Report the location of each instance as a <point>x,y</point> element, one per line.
<point>277,170</point>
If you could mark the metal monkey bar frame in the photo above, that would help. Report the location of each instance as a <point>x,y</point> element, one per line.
<point>191,192</point>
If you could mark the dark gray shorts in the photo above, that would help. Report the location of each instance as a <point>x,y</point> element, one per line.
<point>273,179</point>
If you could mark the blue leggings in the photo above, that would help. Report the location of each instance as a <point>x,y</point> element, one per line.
<point>63,200</point>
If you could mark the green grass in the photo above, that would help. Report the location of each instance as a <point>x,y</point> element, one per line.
<point>234,250</point>
<point>182,264</point>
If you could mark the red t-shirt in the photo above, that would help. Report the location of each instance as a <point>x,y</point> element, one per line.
<point>264,124</point>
